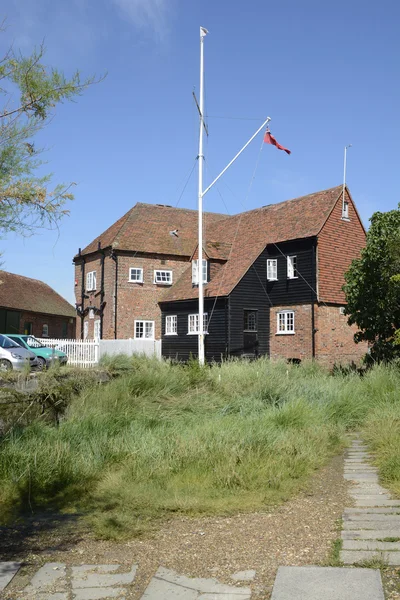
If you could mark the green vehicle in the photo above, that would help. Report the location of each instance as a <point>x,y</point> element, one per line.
<point>46,356</point>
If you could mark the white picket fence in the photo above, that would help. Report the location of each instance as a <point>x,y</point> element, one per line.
<point>81,353</point>
<point>86,353</point>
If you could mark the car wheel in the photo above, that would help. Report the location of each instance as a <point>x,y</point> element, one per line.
<point>5,365</point>
<point>41,364</point>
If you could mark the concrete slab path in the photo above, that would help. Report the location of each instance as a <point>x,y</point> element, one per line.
<point>372,528</point>
<point>327,583</point>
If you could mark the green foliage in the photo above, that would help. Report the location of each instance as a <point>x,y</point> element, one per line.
<point>30,92</point>
<point>373,287</point>
<point>165,438</point>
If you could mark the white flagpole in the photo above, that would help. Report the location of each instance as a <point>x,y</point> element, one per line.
<point>200,157</point>
<point>344,176</point>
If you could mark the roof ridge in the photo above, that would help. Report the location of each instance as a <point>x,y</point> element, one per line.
<point>267,206</point>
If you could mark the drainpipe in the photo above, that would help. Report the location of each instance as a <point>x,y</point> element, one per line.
<point>114,256</point>
<point>101,290</point>
<point>82,291</point>
<point>314,279</point>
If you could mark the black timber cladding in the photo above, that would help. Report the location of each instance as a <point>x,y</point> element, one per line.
<point>253,293</point>
<point>183,345</point>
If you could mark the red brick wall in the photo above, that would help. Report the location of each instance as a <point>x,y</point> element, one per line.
<point>136,301</point>
<point>338,244</point>
<point>334,339</point>
<point>297,345</point>
<point>140,300</point>
<point>54,322</point>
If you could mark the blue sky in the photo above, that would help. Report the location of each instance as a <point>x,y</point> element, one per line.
<point>327,74</point>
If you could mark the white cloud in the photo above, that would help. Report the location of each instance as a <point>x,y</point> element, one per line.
<point>146,14</point>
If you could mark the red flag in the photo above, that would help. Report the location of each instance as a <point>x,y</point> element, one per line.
<point>269,139</point>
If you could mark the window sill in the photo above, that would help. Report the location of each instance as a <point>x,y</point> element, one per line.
<point>346,219</point>
<point>132,281</point>
<point>197,333</point>
<point>169,334</point>
<point>275,279</point>
<point>296,277</point>
<point>285,333</point>
<point>162,284</point>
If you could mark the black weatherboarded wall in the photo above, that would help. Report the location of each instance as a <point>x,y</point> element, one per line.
<point>182,346</point>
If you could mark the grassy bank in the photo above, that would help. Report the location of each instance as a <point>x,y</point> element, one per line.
<point>163,438</point>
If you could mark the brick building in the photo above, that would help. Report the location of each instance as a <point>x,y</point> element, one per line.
<point>29,306</point>
<point>273,279</point>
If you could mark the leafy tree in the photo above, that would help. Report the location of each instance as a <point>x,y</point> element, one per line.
<point>30,91</point>
<point>373,287</point>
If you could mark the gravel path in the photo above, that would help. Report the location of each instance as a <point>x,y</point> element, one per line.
<point>300,532</point>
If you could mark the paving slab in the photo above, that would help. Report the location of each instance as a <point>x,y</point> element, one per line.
<point>244,575</point>
<point>363,525</point>
<point>49,578</point>
<point>369,545</point>
<point>7,571</point>
<point>384,510</point>
<point>168,585</point>
<point>95,576</point>
<point>371,517</point>
<point>351,557</point>
<point>375,501</point>
<point>327,583</point>
<point>369,534</point>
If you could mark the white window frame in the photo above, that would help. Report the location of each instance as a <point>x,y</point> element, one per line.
<point>140,273</point>
<point>96,329</point>
<point>45,330</point>
<point>195,271</point>
<point>171,325</point>
<point>159,271</point>
<point>145,323</point>
<point>287,320</point>
<point>345,210</point>
<point>85,330</point>
<point>292,266</point>
<point>272,269</point>
<point>193,324</point>
<point>91,281</point>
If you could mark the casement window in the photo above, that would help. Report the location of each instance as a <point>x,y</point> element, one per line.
<point>163,277</point>
<point>250,320</point>
<point>272,269</point>
<point>91,281</point>
<point>85,330</point>
<point>135,275</point>
<point>96,333</point>
<point>292,267</point>
<point>45,330</point>
<point>285,322</point>
<point>171,325</point>
<point>144,330</point>
<point>345,210</point>
<point>193,323</point>
<point>195,271</point>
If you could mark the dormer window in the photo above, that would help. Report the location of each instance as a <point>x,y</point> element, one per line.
<point>195,271</point>
<point>345,210</point>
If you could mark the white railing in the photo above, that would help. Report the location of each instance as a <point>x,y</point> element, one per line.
<point>81,353</point>
<point>86,353</point>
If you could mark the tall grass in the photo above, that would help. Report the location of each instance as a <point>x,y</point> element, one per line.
<point>165,438</point>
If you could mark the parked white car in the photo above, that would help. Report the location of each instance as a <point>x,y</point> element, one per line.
<point>13,357</point>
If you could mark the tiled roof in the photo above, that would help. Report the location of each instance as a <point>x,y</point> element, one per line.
<point>148,227</point>
<point>23,293</point>
<point>248,233</point>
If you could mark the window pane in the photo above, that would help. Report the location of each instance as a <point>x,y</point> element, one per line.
<point>139,329</point>
<point>171,324</point>
<point>136,274</point>
<point>148,329</point>
<point>272,271</point>
<point>291,267</point>
<point>250,320</point>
